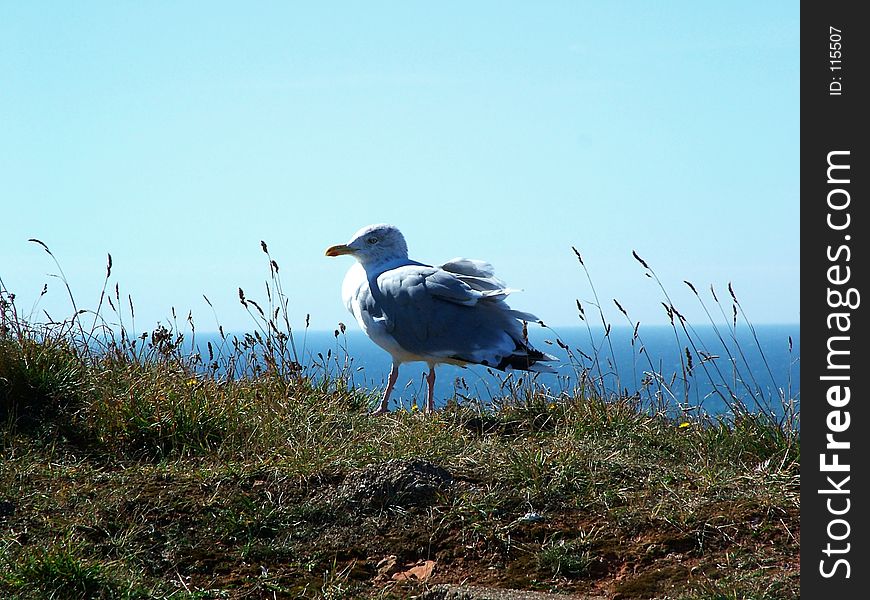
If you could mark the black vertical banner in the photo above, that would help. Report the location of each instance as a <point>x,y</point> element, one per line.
<point>835,374</point>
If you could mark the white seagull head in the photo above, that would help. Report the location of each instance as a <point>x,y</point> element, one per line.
<point>374,245</point>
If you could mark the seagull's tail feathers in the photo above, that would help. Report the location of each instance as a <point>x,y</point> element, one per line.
<point>527,358</point>
<point>541,368</point>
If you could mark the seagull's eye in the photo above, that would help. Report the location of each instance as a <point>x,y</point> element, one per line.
<point>372,240</point>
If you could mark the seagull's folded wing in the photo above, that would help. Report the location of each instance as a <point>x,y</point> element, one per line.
<point>469,266</point>
<point>476,274</point>
<point>446,286</point>
<point>436,315</point>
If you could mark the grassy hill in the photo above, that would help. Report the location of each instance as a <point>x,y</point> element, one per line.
<point>130,469</point>
<point>127,477</point>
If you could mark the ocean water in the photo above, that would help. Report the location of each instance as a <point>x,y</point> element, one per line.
<point>760,365</point>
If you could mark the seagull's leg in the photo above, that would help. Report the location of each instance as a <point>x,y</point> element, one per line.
<point>430,398</point>
<point>394,374</point>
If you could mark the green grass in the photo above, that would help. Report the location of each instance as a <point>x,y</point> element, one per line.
<point>131,470</point>
<point>39,376</point>
<point>62,572</point>
<point>211,482</point>
<point>571,558</point>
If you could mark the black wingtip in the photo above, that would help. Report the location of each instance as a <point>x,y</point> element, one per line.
<point>523,361</point>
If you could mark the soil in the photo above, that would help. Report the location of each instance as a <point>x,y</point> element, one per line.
<point>386,528</point>
<point>397,529</point>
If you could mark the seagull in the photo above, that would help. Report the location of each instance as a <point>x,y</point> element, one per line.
<point>454,313</point>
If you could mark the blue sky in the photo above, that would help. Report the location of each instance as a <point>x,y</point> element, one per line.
<point>176,136</point>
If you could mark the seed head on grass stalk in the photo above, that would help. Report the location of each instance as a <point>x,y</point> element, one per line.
<point>658,406</point>
<point>709,365</point>
<point>74,320</point>
<point>596,362</point>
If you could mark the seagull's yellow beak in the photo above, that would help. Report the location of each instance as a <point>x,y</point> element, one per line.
<point>339,250</point>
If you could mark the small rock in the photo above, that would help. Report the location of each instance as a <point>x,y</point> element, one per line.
<point>421,571</point>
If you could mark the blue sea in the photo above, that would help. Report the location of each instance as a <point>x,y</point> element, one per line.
<point>755,365</point>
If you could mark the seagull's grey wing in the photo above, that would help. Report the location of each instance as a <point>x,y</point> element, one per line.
<point>477,274</point>
<point>469,266</point>
<point>449,287</point>
<point>409,297</point>
<point>480,276</point>
<point>436,316</point>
